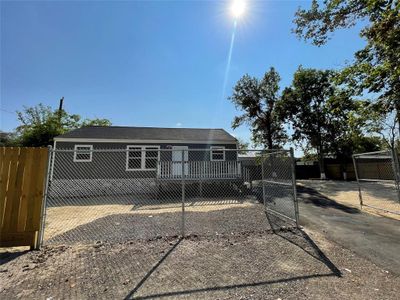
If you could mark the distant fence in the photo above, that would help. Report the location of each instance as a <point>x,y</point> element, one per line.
<point>378,176</point>
<point>333,170</point>
<point>22,186</point>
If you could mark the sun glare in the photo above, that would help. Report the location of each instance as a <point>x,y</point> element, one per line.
<point>238,8</point>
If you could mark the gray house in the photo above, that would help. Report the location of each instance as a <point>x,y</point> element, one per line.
<point>164,154</point>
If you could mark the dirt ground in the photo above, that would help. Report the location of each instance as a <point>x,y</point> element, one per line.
<point>121,222</point>
<point>256,265</point>
<point>127,251</point>
<point>379,194</point>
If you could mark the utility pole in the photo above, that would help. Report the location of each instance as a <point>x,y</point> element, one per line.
<point>60,109</point>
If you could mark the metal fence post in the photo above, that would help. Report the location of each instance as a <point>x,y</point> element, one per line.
<point>395,166</point>
<point>183,193</point>
<point>295,201</point>
<point>358,181</point>
<point>262,179</point>
<point>43,212</point>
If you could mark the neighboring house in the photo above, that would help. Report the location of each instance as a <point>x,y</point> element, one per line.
<point>145,152</point>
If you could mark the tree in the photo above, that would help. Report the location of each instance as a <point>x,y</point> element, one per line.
<point>347,128</point>
<point>8,139</point>
<point>96,122</point>
<point>257,99</point>
<point>375,68</point>
<point>40,124</point>
<point>303,104</point>
<point>243,146</point>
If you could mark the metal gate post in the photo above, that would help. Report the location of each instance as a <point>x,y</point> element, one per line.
<point>358,181</point>
<point>395,166</point>
<point>262,179</point>
<point>295,201</point>
<point>183,194</point>
<point>43,212</point>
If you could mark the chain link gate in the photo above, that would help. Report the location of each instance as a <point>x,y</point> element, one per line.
<point>378,177</point>
<point>144,193</point>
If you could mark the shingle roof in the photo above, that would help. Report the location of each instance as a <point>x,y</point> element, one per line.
<point>149,133</point>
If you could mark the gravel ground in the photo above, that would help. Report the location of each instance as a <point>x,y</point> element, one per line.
<point>123,227</point>
<point>258,265</point>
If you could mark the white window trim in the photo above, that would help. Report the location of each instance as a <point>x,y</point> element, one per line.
<point>217,148</point>
<point>142,157</point>
<point>83,146</point>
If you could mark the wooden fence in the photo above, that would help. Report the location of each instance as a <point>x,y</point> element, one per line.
<point>22,186</point>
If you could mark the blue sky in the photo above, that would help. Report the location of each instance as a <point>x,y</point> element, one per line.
<point>149,63</point>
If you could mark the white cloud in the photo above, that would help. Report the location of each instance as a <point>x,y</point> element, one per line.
<point>179,124</point>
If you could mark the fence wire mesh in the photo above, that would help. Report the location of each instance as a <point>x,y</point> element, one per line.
<point>146,192</point>
<point>378,180</point>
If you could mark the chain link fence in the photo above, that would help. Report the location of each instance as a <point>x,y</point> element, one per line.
<point>146,193</point>
<point>378,175</point>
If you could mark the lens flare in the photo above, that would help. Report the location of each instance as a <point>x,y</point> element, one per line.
<point>238,8</point>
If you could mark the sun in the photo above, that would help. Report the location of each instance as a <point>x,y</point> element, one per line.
<point>238,8</point>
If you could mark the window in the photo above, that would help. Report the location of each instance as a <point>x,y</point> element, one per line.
<point>217,153</point>
<point>83,153</point>
<point>142,157</point>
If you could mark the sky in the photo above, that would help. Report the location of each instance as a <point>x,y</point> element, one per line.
<point>150,63</point>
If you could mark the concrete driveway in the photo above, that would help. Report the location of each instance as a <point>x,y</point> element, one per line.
<point>373,237</point>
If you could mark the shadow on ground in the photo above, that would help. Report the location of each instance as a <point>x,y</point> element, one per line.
<point>310,195</point>
<point>6,257</point>
<point>124,227</point>
<point>297,238</point>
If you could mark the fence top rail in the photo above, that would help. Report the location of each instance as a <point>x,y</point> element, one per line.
<point>240,151</point>
<point>372,153</point>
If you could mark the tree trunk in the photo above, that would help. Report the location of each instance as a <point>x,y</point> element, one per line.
<point>269,133</point>
<point>320,152</point>
<point>398,119</point>
<point>321,160</point>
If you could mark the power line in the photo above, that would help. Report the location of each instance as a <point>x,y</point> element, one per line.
<point>7,111</point>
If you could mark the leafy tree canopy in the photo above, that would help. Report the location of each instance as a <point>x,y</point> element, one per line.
<point>7,139</point>
<point>325,119</point>
<point>376,67</point>
<point>40,124</point>
<point>256,99</point>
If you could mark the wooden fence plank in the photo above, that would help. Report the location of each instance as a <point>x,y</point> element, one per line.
<point>36,189</point>
<point>11,193</point>
<point>22,178</point>
<point>28,173</point>
<point>18,190</point>
<point>13,239</point>
<point>4,182</point>
<point>40,175</point>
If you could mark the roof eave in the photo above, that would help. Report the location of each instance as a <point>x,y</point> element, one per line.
<point>155,141</point>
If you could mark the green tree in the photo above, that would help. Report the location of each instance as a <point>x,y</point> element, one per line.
<point>375,68</point>
<point>304,105</point>
<point>8,139</point>
<point>256,99</point>
<point>243,146</point>
<point>96,122</point>
<point>347,128</point>
<point>40,124</point>
<point>326,120</point>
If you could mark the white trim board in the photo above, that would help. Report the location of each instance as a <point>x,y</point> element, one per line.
<point>217,148</point>
<point>82,152</point>
<point>83,140</point>
<point>142,157</point>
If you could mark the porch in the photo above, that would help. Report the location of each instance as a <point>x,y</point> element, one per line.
<point>199,170</point>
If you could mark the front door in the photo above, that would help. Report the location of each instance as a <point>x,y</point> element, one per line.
<point>177,160</point>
